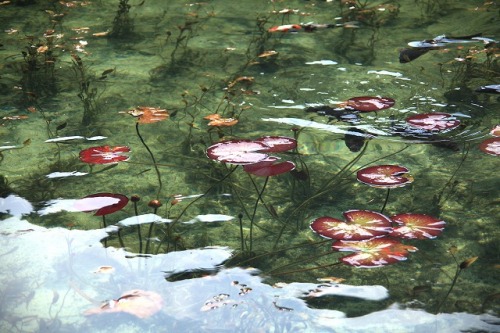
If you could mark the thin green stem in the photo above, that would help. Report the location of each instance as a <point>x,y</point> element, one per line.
<point>308,259</point>
<point>255,211</point>
<point>191,203</point>
<point>139,235</point>
<point>386,200</point>
<point>150,233</point>
<point>152,158</point>
<point>457,273</point>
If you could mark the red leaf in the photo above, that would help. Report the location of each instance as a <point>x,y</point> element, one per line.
<point>359,225</point>
<point>491,146</point>
<point>104,154</point>
<point>369,103</point>
<point>417,226</point>
<point>102,203</point>
<point>277,144</point>
<point>267,167</point>
<point>237,151</point>
<point>385,176</point>
<point>434,121</point>
<point>375,252</point>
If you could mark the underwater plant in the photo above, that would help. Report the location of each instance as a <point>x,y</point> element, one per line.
<point>123,24</point>
<point>149,115</point>
<point>253,155</point>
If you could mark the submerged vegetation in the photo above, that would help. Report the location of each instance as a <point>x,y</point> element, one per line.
<point>247,136</point>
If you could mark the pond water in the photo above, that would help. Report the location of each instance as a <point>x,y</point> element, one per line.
<point>116,219</point>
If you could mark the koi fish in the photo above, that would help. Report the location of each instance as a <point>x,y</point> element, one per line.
<point>310,27</point>
<point>285,28</point>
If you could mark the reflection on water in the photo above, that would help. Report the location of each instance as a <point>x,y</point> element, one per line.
<point>193,244</point>
<point>67,273</point>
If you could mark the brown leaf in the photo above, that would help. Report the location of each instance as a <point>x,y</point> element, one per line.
<point>466,263</point>
<point>149,115</point>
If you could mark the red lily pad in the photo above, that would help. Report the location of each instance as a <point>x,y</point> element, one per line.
<point>359,225</point>
<point>495,131</point>
<point>417,226</point>
<point>369,103</point>
<point>277,144</point>
<point>434,121</point>
<point>104,154</point>
<point>385,176</point>
<point>237,151</point>
<point>490,146</point>
<point>102,203</point>
<point>375,252</point>
<point>268,167</point>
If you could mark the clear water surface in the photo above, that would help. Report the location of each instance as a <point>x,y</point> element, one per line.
<point>228,251</point>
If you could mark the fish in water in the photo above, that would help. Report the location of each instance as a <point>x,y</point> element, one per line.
<point>310,27</point>
<point>419,48</point>
<point>285,28</point>
<point>491,89</point>
<point>410,54</point>
<point>355,139</point>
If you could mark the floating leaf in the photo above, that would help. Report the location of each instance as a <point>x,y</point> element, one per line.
<point>375,252</point>
<point>268,167</point>
<point>102,203</point>
<point>369,103</point>
<point>237,151</point>
<point>491,146</point>
<point>104,154</point>
<point>148,114</point>
<point>434,121</point>
<point>417,226</point>
<point>359,225</point>
<point>277,144</point>
<point>385,176</point>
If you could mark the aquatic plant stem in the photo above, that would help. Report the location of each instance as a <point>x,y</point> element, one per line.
<point>386,200</point>
<point>323,190</point>
<point>152,158</point>
<point>460,267</point>
<point>255,211</point>
<point>191,203</point>
<point>308,259</point>
<point>440,195</point>
<point>139,235</point>
<point>150,233</point>
<point>104,227</point>
<point>457,273</point>
<point>240,218</point>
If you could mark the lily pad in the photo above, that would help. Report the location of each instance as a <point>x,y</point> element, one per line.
<point>239,152</point>
<point>104,154</point>
<point>417,226</point>
<point>385,176</point>
<point>359,225</point>
<point>375,252</point>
